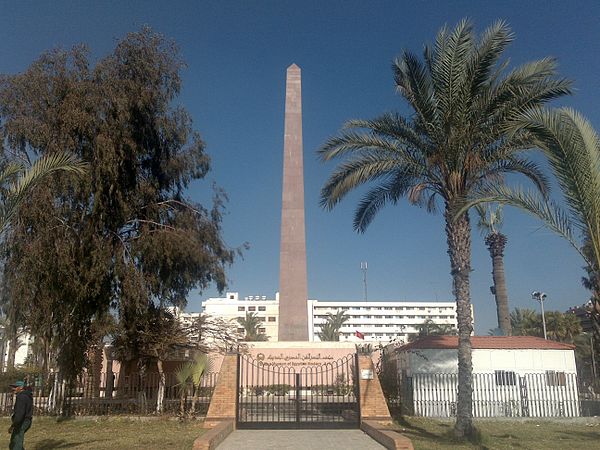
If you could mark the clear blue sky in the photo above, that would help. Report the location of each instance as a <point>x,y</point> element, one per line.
<point>237,53</point>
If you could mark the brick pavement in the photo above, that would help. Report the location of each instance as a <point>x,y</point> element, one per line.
<point>299,439</point>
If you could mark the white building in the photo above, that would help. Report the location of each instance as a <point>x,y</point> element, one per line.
<point>376,321</point>
<point>515,376</point>
<point>381,321</point>
<point>231,307</point>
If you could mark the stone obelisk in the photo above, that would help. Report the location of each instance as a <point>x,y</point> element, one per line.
<point>293,291</point>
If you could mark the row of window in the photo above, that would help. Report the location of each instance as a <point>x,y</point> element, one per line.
<point>386,308</point>
<point>260,330</point>
<point>324,316</point>
<point>252,308</point>
<point>261,318</point>
<point>509,378</point>
<point>374,334</point>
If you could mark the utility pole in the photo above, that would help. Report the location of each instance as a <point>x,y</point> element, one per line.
<point>364,266</point>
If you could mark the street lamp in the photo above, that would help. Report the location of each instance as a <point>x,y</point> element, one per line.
<point>540,297</point>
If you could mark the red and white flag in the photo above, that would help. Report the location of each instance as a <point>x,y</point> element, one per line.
<point>359,335</point>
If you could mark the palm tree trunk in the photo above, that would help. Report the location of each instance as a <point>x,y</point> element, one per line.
<point>500,293</point>
<point>458,234</point>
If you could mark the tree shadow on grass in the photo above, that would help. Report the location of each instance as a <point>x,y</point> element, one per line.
<point>513,439</point>
<point>583,435</point>
<point>51,444</point>
<point>446,437</point>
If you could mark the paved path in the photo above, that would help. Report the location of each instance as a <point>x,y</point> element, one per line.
<point>299,439</point>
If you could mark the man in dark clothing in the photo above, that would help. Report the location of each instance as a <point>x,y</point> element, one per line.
<point>22,414</point>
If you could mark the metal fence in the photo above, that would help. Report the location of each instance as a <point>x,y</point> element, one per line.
<point>284,396</point>
<point>498,394</point>
<point>113,393</point>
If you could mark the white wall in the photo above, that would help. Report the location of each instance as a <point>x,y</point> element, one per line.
<point>488,360</point>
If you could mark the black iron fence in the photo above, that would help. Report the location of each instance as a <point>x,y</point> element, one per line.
<point>113,393</point>
<point>498,394</point>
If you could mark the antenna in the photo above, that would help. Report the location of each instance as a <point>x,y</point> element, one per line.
<point>364,266</point>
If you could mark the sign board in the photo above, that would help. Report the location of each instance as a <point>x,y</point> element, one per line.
<point>366,374</point>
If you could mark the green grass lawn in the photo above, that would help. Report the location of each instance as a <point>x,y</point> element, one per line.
<point>115,434</point>
<point>429,434</point>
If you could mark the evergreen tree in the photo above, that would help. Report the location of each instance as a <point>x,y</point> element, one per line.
<point>124,239</point>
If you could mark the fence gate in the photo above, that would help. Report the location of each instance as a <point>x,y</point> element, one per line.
<point>280,396</point>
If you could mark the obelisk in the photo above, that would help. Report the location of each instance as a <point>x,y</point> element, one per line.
<point>293,291</point>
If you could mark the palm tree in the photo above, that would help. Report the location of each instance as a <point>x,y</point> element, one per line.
<point>562,327</point>
<point>572,147</point>
<point>490,222</point>
<point>430,328</point>
<point>191,372</point>
<point>452,145</point>
<point>526,322</point>
<point>17,180</point>
<point>252,324</point>
<point>330,330</point>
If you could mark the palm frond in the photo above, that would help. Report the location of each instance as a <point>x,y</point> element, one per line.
<point>29,178</point>
<point>391,191</point>
<point>449,64</point>
<point>551,215</point>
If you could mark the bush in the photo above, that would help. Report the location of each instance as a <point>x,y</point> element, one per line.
<point>278,389</point>
<point>31,375</point>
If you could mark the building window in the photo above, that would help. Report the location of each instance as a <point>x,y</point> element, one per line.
<point>261,330</point>
<point>251,308</point>
<point>554,378</point>
<point>262,319</point>
<point>271,319</point>
<point>262,308</point>
<point>241,308</point>
<point>505,378</point>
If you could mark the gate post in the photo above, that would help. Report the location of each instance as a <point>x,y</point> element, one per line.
<point>224,398</point>
<point>373,405</point>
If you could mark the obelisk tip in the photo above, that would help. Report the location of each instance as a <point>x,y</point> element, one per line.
<point>293,68</point>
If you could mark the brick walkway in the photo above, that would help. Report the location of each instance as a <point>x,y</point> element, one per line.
<point>299,439</point>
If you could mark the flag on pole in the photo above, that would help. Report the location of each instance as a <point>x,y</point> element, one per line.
<point>359,335</point>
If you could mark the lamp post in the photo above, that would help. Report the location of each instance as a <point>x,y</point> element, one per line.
<point>540,297</point>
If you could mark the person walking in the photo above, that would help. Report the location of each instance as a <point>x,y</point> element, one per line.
<point>22,415</point>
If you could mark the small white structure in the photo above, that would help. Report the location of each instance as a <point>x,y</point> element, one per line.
<point>512,376</point>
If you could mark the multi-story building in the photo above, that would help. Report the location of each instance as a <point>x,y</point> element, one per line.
<point>373,321</point>
<point>382,321</point>
<point>232,308</point>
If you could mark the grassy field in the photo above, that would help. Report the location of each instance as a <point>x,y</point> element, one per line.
<point>428,434</point>
<point>114,434</point>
